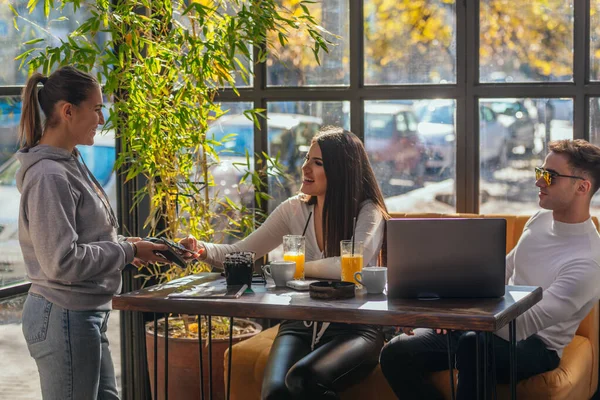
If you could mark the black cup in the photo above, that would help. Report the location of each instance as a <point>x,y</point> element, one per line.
<point>238,268</point>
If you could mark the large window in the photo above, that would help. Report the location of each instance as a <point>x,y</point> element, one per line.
<point>11,261</point>
<point>455,101</point>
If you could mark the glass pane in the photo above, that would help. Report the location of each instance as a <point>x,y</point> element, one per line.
<point>513,138</point>
<point>595,40</point>
<point>291,126</point>
<point>526,42</point>
<point>20,379</point>
<point>35,26</point>
<point>235,132</point>
<point>295,65</point>
<point>412,150</point>
<point>408,42</point>
<point>595,120</point>
<point>595,139</point>
<point>10,114</point>
<point>12,268</point>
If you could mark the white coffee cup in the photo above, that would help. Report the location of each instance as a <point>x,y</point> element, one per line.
<point>280,271</point>
<point>372,278</point>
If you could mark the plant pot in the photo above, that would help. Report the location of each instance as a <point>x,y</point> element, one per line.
<point>184,368</point>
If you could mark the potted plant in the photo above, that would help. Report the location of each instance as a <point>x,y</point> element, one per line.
<point>162,65</point>
<point>184,354</point>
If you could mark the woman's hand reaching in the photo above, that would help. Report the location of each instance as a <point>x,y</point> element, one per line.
<point>194,246</point>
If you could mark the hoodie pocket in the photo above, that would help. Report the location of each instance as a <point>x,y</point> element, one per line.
<point>36,318</point>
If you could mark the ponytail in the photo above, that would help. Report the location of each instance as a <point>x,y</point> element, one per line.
<point>30,126</point>
<point>65,84</point>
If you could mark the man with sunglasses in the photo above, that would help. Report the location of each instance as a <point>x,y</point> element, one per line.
<point>559,250</point>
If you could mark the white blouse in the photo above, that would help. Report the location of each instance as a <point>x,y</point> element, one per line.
<point>289,218</point>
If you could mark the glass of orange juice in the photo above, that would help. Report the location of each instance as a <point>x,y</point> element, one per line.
<point>293,250</point>
<point>352,260</point>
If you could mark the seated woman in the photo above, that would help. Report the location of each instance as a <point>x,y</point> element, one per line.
<point>310,359</point>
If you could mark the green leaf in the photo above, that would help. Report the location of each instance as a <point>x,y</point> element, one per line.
<point>34,41</point>
<point>282,39</point>
<point>31,4</point>
<point>15,13</point>
<point>48,4</point>
<point>24,54</point>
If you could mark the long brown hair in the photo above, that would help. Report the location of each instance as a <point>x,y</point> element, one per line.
<point>65,84</point>
<point>350,181</point>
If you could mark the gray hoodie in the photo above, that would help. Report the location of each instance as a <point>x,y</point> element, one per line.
<point>67,231</point>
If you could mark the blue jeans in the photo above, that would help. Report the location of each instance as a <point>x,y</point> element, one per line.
<point>71,351</point>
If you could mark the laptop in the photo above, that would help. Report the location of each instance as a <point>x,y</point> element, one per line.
<point>446,257</point>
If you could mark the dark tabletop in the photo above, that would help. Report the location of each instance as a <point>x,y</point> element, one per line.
<point>482,314</point>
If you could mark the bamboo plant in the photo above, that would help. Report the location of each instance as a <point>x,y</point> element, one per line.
<point>162,66</point>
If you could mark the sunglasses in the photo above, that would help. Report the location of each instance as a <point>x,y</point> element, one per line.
<point>549,175</point>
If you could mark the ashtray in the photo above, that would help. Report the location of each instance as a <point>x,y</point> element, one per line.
<point>331,290</point>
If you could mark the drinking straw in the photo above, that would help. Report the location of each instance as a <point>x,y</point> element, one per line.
<point>306,226</point>
<point>353,234</point>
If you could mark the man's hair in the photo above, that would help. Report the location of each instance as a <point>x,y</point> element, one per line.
<point>582,156</point>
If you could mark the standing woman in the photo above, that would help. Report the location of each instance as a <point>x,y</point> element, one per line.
<point>310,359</point>
<point>67,232</point>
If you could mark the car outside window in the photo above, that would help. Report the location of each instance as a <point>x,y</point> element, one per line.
<point>439,115</point>
<point>487,114</point>
<point>380,125</point>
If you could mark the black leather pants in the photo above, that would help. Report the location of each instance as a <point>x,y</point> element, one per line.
<point>344,355</point>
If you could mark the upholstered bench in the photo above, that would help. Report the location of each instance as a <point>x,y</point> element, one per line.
<point>575,378</point>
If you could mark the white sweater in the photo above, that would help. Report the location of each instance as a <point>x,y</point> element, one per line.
<point>289,218</point>
<point>564,259</point>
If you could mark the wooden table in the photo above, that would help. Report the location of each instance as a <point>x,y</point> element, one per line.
<point>485,315</point>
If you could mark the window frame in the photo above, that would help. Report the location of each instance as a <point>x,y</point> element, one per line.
<point>466,91</point>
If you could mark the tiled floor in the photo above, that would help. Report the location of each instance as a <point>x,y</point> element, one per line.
<point>18,373</point>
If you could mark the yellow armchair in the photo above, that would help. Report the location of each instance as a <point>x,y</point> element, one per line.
<point>575,378</point>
